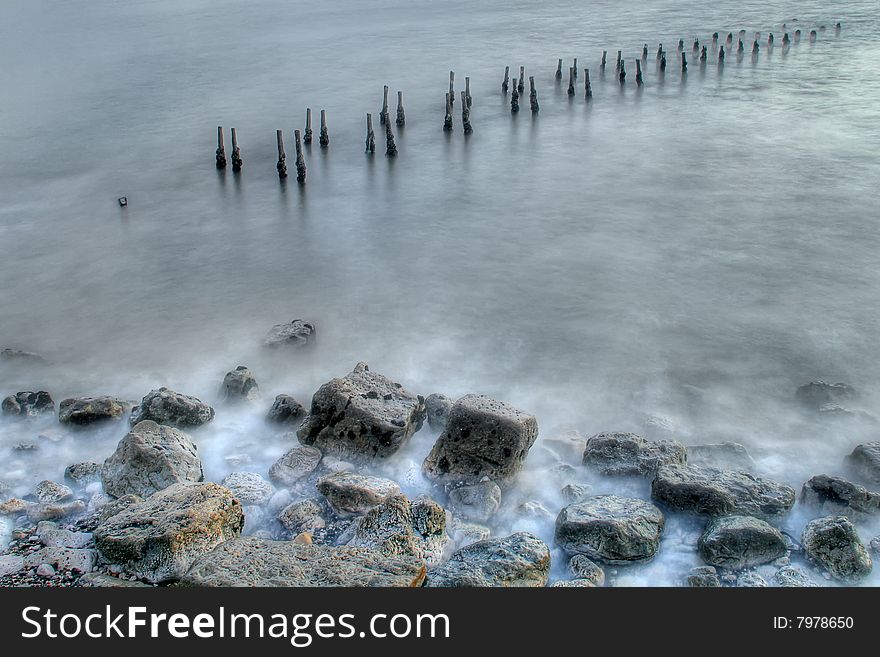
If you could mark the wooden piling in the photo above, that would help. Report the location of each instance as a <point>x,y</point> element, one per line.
<point>638,73</point>
<point>704,55</point>
<point>465,114</point>
<point>659,52</point>
<point>467,90</point>
<point>755,47</point>
<point>770,40</point>
<point>684,63</point>
<point>571,81</point>
<point>786,39</point>
<point>533,95</point>
<point>237,162</point>
<point>221,150</point>
<point>300,162</point>
<point>506,83</point>
<point>645,52</point>
<point>452,87</point>
<point>514,99</point>
<point>619,60</point>
<point>621,72</point>
<point>559,69</point>
<point>680,45</point>
<point>447,122</point>
<point>696,47</point>
<point>721,56</point>
<point>604,58</point>
<point>370,145</point>
<point>401,116</point>
<point>574,65</point>
<point>282,163</point>
<point>663,62</point>
<point>390,146</point>
<point>521,85</point>
<point>307,135</point>
<point>740,48</point>
<point>714,37</point>
<point>383,114</point>
<point>324,137</point>
<point>588,89</point>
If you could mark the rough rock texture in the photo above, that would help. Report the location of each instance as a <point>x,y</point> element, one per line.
<point>628,454</point>
<point>54,510</point>
<point>82,474</point>
<point>165,406</point>
<point>102,580</point>
<point>437,408</point>
<point>159,538</point>
<point>302,516</point>
<point>362,416</point>
<point>82,411</point>
<point>816,394</point>
<point>573,583</point>
<point>295,333</point>
<point>28,404</point>
<point>477,502</point>
<point>750,579</point>
<point>50,492</point>
<point>611,529</point>
<point>239,385</point>
<point>349,493</point>
<point>833,543</point>
<point>10,564</point>
<point>726,455</point>
<point>581,567</point>
<point>483,438</point>
<point>117,506</point>
<point>465,533</point>
<point>286,410</point>
<point>714,492</point>
<point>865,461</point>
<point>793,576</point>
<point>703,577</point>
<point>835,495</point>
<point>737,542</point>
<point>260,562</point>
<point>249,487</point>
<point>149,458</point>
<point>517,560</point>
<point>297,463</point>
<point>572,493</point>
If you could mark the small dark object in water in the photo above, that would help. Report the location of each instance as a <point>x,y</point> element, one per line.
<point>506,83</point>
<point>696,47</point>
<point>770,40</point>
<point>452,87</point>
<point>662,62</point>
<point>604,57</point>
<point>837,27</point>
<point>797,36</point>
<point>588,89</point>
<point>755,48</point>
<point>786,39</point>
<point>721,55</point>
<point>703,55</point>
<point>812,35</point>
<point>621,75</point>
<point>237,162</point>
<point>659,52</point>
<point>645,52</point>
<point>401,116</point>
<point>281,166</point>
<point>324,137</point>
<point>619,61</point>
<point>684,63</point>
<point>533,96</point>
<point>221,151</point>
<point>740,48</point>
<point>714,37</point>
<point>467,90</point>
<point>300,162</point>
<point>559,70</point>
<point>680,45</point>
<point>729,38</point>
<point>371,136</point>
<point>571,81</point>
<point>307,135</point>
<point>123,201</point>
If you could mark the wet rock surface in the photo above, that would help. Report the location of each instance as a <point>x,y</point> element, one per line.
<point>296,463</point>
<point>477,502</point>
<point>865,462</point>
<point>835,495</point>
<point>164,406</point>
<point>628,454</point>
<point>350,493</point>
<point>28,404</point>
<point>286,410</point>
<point>239,385</point>
<point>834,544</point>
<point>737,542</point>
<point>726,456</point>
<point>249,487</point>
<point>82,411</point>
<point>437,409</point>
<point>816,394</point>
<point>518,560</point>
<point>294,334</point>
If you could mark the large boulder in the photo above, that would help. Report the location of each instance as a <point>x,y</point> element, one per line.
<point>261,562</point>
<point>477,502</point>
<point>149,458</point>
<point>610,529</point>
<point>286,410</point>
<point>362,416</point>
<point>165,406</point>
<point>517,560</point>
<point>297,463</point>
<point>628,454</point>
<point>28,404</point>
<point>713,492</point>
<point>833,543</point>
<point>817,394</point>
<point>350,493</point>
<point>737,542</point>
<point>437,408</point>
<point>81,411</point>
<point>865,461</point>
<point>295,333</point>
<point>158,539</point>
<point>483,437</point>
<point>836,495</point>
<point>239,385</point>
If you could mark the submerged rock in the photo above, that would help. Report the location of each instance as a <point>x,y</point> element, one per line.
<point>165,406</point>
<point>483,437</point>
<point>465,533</point>
<point>818,393</point>
<point>82,474</point>
<point>158,539</point>
<point>149,458</point>
<point>703,577</point>
<point>437,409</point>
<point>295,333</point>
<point>835,495</point>
<point>297,463</point>
<point>350,493</point>
<point>726,456</point>
<point>713,492</point>
<point>363,415</point>
<point>516,560</point>
<point>249,487</point>
<point>865,461</point>
<point>261,562</point>
<point>477,502</point>
<point>286,410</point>
<point>81,411</point>
<point>19,356</point>
<point>611,529</point>
<point>239,385</point>
<point>28,404</point>
<point>737,542</point>
<point>628,454</point>
<point>834,544</point>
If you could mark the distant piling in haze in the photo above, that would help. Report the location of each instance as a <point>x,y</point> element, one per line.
<point>684,63</point>
<point>237,162</point>
<point>533,95</point>
<point>574,65</point>
<point>659,52</point>
<point>571,81</point>
<point>639,73</point>
<point>514,99</point>
<point>621,72</point>
<point>324,136</point>
<point>370,145</point>
<point>645,52</point>
<point>220,153</point>
<point>383,113</point>
<point>721,56</point>
<point>588,89</point>
<point>390,146</point>
<point>467,90</point>
<point>307,135</point>
<point>506,83</point>
<point>401,116</point>
<point>704,55</point>
<point>447,121</point>
<point>451,87</point>
<point>300,161</point>
<point>521,85</point>
<point>604,59</point>
<point>281,166</point>
<point>465,114</point>
<point>559,69</point>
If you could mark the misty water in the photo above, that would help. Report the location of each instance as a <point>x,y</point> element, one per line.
<point>681,255</point>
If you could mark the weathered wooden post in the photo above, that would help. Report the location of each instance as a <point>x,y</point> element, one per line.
<point>324,137</point>
<point>680,45</point>
<point>371,137</point>
<point>659,51</point>
<point>300,162</point>
<point>619,61</point>
<point>837,27</point>
<point>645,52</point>
<point>452,87</point>
<point>571,81</point>
<point>812,36</point>
<point>467,90</point>
<point>663,62</point>
<point>604,58</point>
<point>638,73</point>
<point>721,56</point>
<point>307,135</point>
<point>521,85</point>
<point>770,40</point>
<point>588,89</point>
<point>704,55</point>
<point>797,36</point>
<point>714,38</point>
<point>447,122</point>
<point>574,65</point>
<point>696,47</point>
<point>684,63</point>
<point>621,72</point>
<point>755,47</point>
<point>559,69</point>
<point>740,48</point>
<point>383,113</point>
<point>514,99</point>
<point>506,83</point>
<point>401,117</point>
<point>237,162</point>
<point>221,151</point>
<point>465,114</point>
<point>282,163</point>
<point>390,146</point>
<point>533,95</point>
<point>785,39</point>
<point>729,39</point>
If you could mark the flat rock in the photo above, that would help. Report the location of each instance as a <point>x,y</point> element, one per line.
<point>158,539</point>
<point>164,406</point>
<point>55,510</point>
<point>483,437</point>
<point>62,559</point>
<point>836,495</point>
<point>833,543</point>
<point>286,410</point>
<point>818,393</point>
<point>738,542</point>
<point>477,502</point>
<point>261,562</point>
<point>610,529</point>
<point>249,487</point>
<point>465,533</point>
<point>362,416</point>
<point>149,458</point>
<point>573,493</point>
<point>64,538</point>
<point>628,454</point>
<point>350,493</point>
<point>83,411</point>
<point>296,463</point>
<point>518,560</point>
<point>10,564</point>
<point>726,456</point>
<point>437,409</point>
<point>102,580</point>
<point>28,404</point>
<point>296,334</point>
<point>239,385</point>
<point>865,461</point>
<point>713,492</point>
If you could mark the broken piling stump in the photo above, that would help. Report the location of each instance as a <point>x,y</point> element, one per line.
<point>383,113</point>
<point>559,69</point>
<point>300,162</point>
<point>237,162</point>
<point>604,59</point>
<point>221,151</point>
<point>452,87</point>
<point>401,116</point>
<point>621,72</point>
<point>467,90</point>
<point>533,95</point>
<point>307,135</point>
<point>506,83</point>
<point>324,137</point>
<point>514,99</point>
<point>571,81</point>
<point>370,145</point>
<point>588,89</point>
<point>465,114</point>
<point>684,63</point>
<point>282,163</point>
<point>390,146</point>
<point>639,72</point>
<point>447,121</point>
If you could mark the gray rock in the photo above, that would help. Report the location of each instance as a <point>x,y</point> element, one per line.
<point>865,461</point>
<point>582,567</point>
<point>158,539</point>
<point>835,495</point>
<point>19,356</point>
<point>102,580</point>
<point>437,408</point>
<point>816,394</point>
<point>610,529</point>
<point>286,410</point>
<point>11,564</point>
<point>28,404</point>
<point>49,492</point>
<point>62,559</point>
<point>875,545</point>
<point>82,474</point>
<point>833,543</point>
<point>64,538</point>
<point>164,406</point>
<point>750,579</point>
<point>713,492</point>
<point>727,456</point>
<point>302,516</point>
<point>350,493</point>
<point>532,509</point>
<point>465,533</point>
<point>628,454</point>
<point>362,416</point>
<point>45,570</point>
<point>477,502</point>
<point>573,493</point>
<point>249,487</point>
<point>55,511</point>
<point>738,542</point>
<point>483,438</point>
<point>261,562</point>
<point>110,509</point>
<point>793,577</point>
<point>149,458</point>
<point>514,561</point>
<point>295,333</point>
<point>82,411</point>
<point>239,385</point>
<point>568,446</point>
<point>703,577</point>
<point>573,583</point>
<point>297,463</point>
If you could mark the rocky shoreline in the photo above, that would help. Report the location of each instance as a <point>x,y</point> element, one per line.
<point>324,514</point>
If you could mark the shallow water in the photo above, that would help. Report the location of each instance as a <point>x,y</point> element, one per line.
<point>693,250</point>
